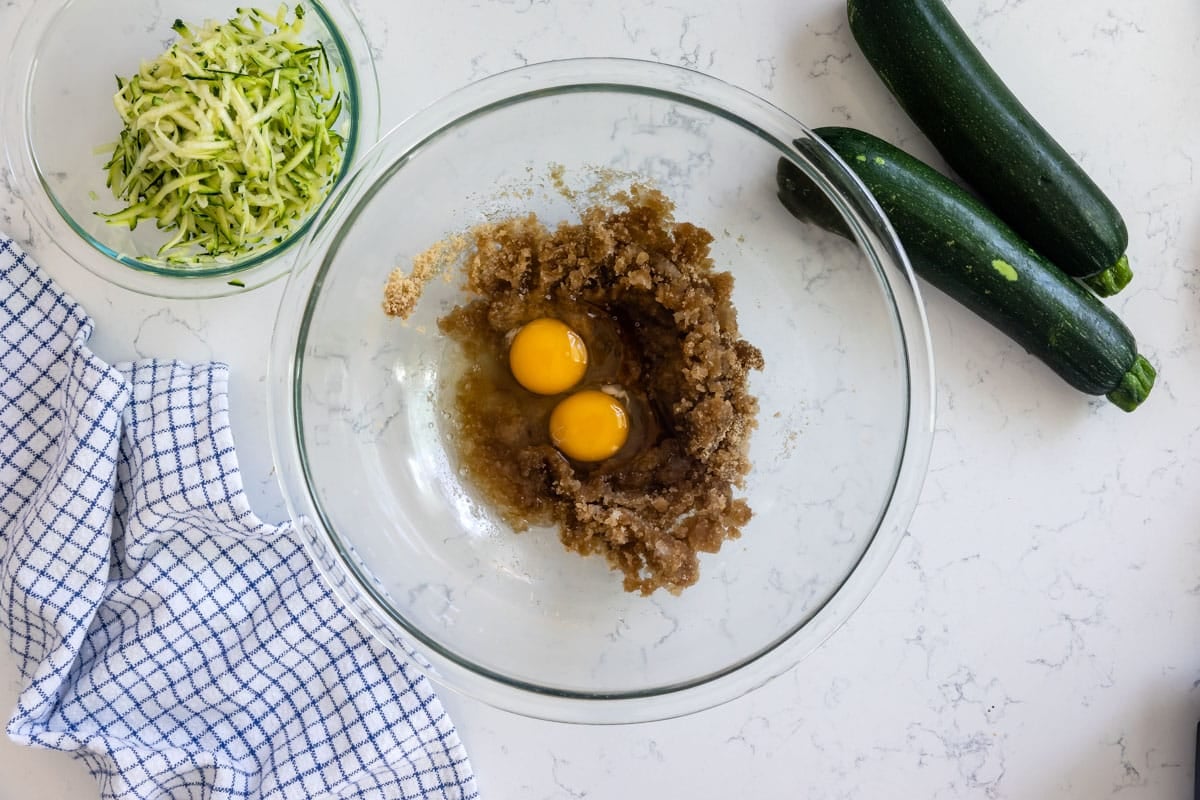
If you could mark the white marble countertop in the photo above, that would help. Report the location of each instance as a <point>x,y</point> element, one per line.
<point>1038,633</point>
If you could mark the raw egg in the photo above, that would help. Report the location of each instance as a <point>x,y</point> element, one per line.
<point>589,426</point>
<point>547,357</point>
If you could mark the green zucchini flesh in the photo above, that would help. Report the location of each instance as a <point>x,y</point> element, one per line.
<point>958,245</point>
<point>988,137</point>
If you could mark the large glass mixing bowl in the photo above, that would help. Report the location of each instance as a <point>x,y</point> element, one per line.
<point>361,424</point>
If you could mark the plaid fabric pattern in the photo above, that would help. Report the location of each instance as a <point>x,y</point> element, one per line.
<point>178,645</point>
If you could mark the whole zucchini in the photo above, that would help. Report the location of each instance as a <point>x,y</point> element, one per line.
<point>962,248</point>
<point>927,61</point>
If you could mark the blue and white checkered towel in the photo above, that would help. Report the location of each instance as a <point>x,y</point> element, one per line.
<point>175,643</point>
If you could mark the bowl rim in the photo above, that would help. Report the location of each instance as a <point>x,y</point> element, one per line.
<point>285,381</point>
<point>143,276</point>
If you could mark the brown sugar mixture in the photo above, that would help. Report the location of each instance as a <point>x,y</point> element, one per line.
<point>662,335</point>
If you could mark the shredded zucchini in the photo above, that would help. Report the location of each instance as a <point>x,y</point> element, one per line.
<point>229,136</point>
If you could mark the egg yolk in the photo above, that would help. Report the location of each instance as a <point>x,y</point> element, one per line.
<point>547,357</point>
<point>589,426</point>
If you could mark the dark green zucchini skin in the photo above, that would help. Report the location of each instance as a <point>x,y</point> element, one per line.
<point>989,138</point>
<point>957,244</point>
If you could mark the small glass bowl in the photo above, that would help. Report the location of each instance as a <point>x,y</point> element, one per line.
<point>58,110</point>
<point>362,435</point>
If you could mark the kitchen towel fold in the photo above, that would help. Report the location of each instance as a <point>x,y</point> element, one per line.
<point>167,637</point>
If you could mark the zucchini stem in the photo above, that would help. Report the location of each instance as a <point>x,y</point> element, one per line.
<point>1111,280</point>
<point>1135,385</point>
